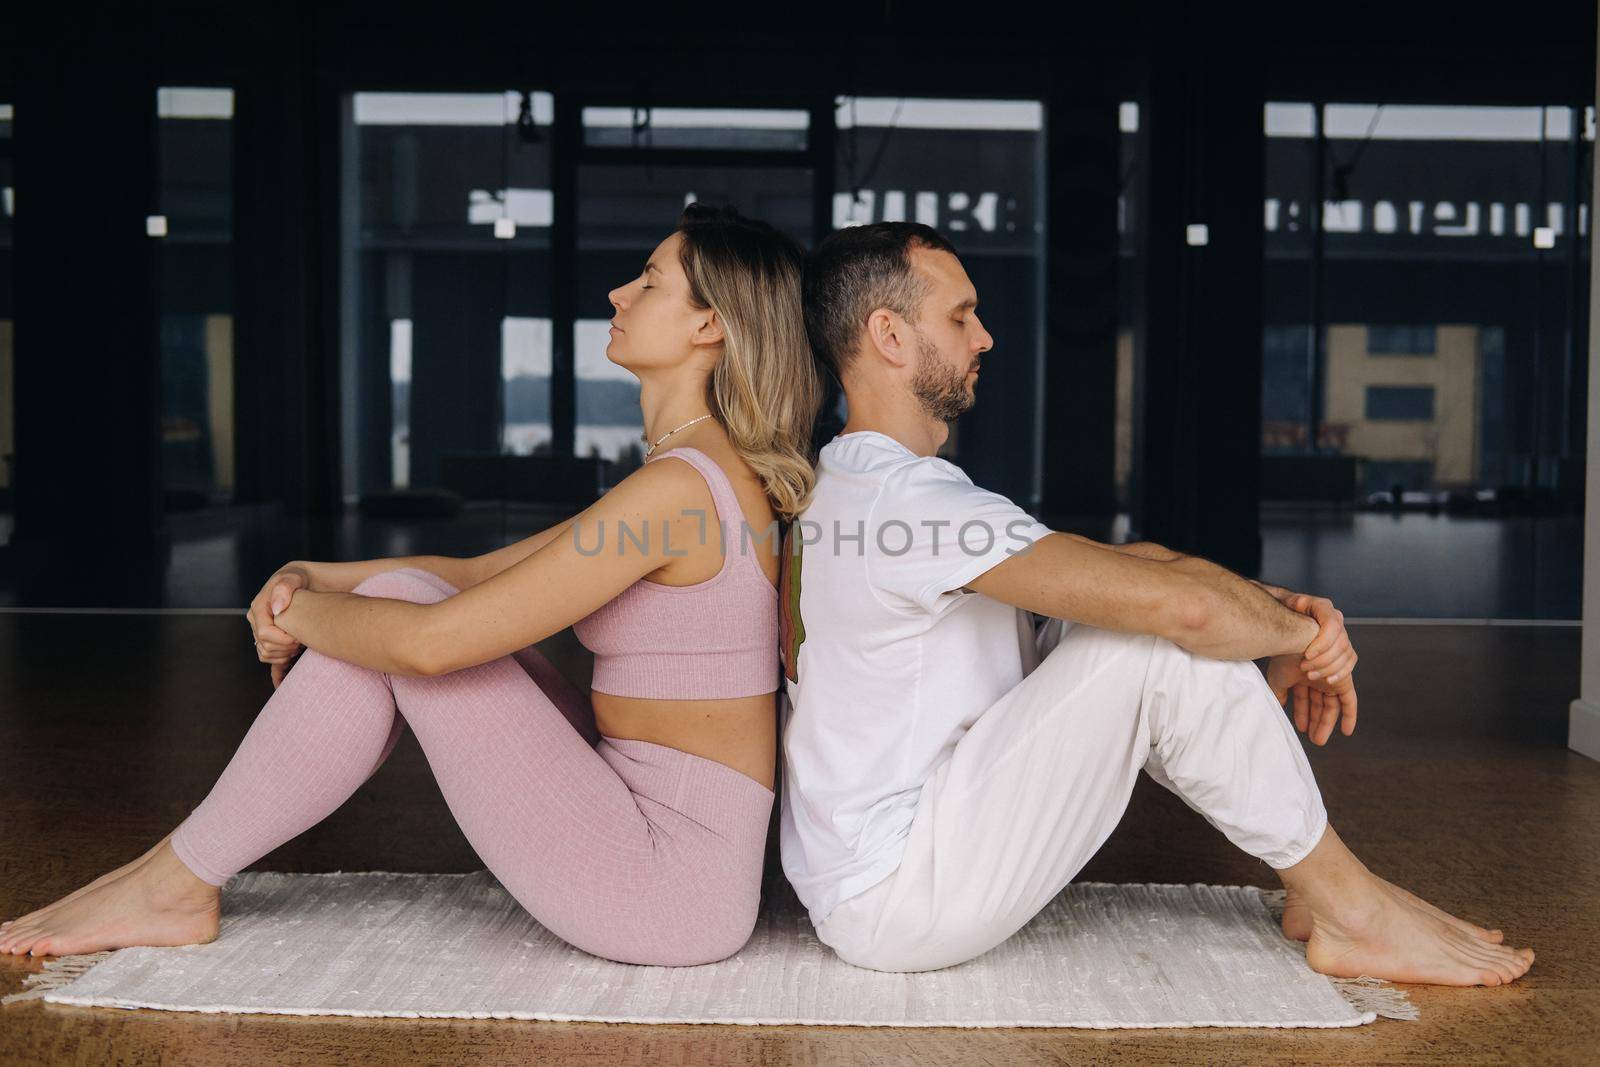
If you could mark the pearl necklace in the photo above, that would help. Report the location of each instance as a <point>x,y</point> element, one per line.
<point>646,437</point>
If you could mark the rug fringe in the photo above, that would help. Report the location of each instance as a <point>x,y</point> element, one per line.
<point>1376,995</point>
<point>58,971</point>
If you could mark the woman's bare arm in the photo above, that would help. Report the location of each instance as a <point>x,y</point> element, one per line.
<point>492,563</point>
<point>463,573</point>
<point>565,580</point>
<point>344,577</point>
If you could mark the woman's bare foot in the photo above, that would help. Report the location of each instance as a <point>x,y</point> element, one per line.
<point>1297,914</point>
<point>100,881</point>
<point>156,900</point>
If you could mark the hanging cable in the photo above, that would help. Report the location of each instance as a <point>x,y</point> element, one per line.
<point>858,183</point>
<point>1343,171</point>
<point>528,131</point>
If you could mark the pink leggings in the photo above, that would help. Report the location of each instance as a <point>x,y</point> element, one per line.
<point>626,849</point>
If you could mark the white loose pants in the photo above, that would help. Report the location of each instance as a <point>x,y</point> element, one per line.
<point>1035,787</point>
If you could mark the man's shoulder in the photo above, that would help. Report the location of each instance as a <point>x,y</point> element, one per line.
<point>874,455</point>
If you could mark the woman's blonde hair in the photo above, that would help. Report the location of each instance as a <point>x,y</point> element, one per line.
<point>765,390</point>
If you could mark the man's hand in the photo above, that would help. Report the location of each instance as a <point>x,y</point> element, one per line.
<point>1319,680</point>
<point>1330,653</point>
<point>1319,706</point>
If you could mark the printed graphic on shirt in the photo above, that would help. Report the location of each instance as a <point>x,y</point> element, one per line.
<point>792,629</point>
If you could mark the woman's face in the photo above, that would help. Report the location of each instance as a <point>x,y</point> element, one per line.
<point>655,324</point>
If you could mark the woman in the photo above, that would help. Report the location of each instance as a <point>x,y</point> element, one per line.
<point>632,822</point>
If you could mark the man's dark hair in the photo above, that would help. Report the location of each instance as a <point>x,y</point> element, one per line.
<point>855,271</point>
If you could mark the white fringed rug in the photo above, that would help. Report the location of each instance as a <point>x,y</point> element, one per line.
<point>459,946</point>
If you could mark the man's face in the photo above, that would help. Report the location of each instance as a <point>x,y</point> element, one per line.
<point>949,336</point>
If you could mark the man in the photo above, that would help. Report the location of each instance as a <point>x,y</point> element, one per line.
<point>947,769</point>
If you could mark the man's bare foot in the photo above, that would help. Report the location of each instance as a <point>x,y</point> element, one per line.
<point>1381,935</point>
<point>1297,914</point>
<point>100,881</point>
<point>1362,925</point>
<point>156,901</point>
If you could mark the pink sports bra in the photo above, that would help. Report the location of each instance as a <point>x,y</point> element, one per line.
<point>714,639</point>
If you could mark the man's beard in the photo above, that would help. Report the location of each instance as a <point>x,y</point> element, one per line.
<point>940,388</point>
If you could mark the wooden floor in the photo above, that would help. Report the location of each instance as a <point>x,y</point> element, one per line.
<point>1456,785</point>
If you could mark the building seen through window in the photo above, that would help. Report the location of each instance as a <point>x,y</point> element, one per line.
<point>1427,328</point>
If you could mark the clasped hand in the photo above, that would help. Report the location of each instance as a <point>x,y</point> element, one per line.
<point>275,645</point>
<point>1319,679</point>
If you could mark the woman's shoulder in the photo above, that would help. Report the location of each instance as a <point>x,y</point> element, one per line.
<point>720,454</point>
<point>657,486</point>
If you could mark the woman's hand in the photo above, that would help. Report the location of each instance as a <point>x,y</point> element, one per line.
<point>273,645</point>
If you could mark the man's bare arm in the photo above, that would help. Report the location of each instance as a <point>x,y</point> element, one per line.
<point>1142,549</point>
<point>1191,601</point>
<point>1279,593</point>
<point>1163,554</point>
<point>1242,620</point>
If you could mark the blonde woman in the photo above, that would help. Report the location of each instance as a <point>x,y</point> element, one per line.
<point>632,820</point>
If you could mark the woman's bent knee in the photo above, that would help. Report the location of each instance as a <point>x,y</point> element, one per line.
<point>405,583</point>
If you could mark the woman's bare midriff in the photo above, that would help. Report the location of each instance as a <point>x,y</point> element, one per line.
<point>740,732</point>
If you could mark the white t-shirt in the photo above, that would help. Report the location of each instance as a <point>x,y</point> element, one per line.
<point>887,662</point>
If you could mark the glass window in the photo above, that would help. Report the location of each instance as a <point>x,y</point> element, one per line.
<point>1128,212</point>
<point>1457,234</point>
<point>1454,232</point>
<point>974,169</point>
<point>767,129</point>
<point>1286,342</point>
<point>195,228</point>
<point>1284,388</point>
<point>446,252</point>
<point>7,317</point>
